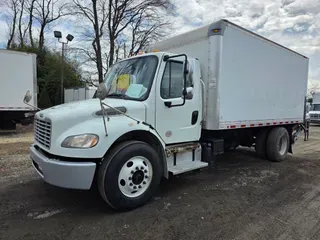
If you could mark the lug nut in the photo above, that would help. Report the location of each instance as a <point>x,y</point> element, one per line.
<point>146,177</point>
<point>134,187</point>
<point>137,168</point>
<point>132,172</point>
<point>144,182</point>
<point>141,168</point>
<point>139,186</point>
<point>130,184</point>
<point>130,178</point>
<point>145,171</point>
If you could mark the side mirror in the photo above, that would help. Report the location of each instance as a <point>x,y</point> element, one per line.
<point>27,97</point>
<point>102,91</point>
<point>189,93</point>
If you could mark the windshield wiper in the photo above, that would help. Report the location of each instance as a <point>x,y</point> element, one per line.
<point>116,95</point>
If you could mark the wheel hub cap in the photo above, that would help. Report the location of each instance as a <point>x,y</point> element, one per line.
<point>135,176</point>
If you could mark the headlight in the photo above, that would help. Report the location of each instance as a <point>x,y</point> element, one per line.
<point>80,141</point>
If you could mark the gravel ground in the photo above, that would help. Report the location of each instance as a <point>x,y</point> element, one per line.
<point>243,198</point>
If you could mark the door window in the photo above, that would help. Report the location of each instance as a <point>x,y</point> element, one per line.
<point>172,80</point>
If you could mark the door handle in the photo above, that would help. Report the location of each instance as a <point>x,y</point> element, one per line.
<point>168,104</point>
<point>194,117</point>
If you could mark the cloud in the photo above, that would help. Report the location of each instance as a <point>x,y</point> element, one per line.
<point>292,23</point>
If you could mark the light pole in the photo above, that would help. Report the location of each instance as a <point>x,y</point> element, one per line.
<point>69,38</point>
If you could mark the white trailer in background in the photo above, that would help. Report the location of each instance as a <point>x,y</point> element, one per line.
<point>172,110</point>
<point>314,112</point>
<point>18,73</point>
<point>77,94</point>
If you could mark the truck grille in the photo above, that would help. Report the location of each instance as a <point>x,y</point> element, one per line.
<point>42,132</point>
<point>315,116</point>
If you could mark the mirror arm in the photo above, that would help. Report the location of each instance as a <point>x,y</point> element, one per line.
<point>39,109</point>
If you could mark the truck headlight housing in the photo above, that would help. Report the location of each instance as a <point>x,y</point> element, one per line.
<point>80,141</point>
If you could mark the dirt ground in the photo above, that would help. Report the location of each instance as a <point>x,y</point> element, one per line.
<point>243,198</point>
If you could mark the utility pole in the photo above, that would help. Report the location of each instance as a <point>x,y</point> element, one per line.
<point>62,72</point>
<point>69,38</point>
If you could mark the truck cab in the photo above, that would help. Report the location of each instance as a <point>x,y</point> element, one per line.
<point>314,112</point>
<point>152,111</point>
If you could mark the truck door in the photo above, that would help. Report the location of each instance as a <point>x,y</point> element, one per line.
<point>178,124</point>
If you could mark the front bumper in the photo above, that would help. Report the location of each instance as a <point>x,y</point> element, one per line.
<point>75,175</point>
<point>315,121</point>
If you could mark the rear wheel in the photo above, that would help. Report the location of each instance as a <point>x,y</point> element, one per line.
<point>130,175</point>
<point>278,144</point>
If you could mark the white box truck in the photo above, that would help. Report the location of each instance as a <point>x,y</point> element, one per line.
<point>80,93</point>
<point>18,73</point>
<point>314,112</point>
<point>173,110</point>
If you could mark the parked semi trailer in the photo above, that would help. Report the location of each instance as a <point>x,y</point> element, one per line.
<point>17,73</point>
<point>173,110</point>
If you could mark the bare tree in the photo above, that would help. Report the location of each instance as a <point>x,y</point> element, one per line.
<point>97,15</point>
<point>46,12</point>
<point>313,88</point>
<point>29,9</point>
<point>145,29</point>
<point>23,24</point>
<point>13,5</point>
<point>20,22</point>
<point>122,13</point>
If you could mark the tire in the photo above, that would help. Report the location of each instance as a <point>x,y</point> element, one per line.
<point>261,144</point>
<point>278,144</point>
<point>129,175</point>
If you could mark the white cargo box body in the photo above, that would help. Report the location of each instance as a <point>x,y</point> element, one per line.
<point>17,75</point>
<point>250,81</point>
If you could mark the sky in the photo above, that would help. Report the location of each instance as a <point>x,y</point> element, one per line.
<point>292,23</point>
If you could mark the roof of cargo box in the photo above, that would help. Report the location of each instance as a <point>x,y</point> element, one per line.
<point>215,28</point>
<point>16,52</point>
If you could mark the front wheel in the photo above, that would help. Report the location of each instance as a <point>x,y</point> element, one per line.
<point>129,175</point>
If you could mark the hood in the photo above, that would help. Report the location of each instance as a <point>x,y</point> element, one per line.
<point>80,111</point>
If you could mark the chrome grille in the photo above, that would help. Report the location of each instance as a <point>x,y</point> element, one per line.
<point>42,132</point>
<point>315,115</point>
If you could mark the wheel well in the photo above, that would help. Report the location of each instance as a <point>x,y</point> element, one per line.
<point>149,138</point>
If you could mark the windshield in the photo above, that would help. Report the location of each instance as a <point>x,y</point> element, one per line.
<point>132,78</point>
<point>315,107</point>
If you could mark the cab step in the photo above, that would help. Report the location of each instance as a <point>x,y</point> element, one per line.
<point>184,157</point>
<point>186,167</point>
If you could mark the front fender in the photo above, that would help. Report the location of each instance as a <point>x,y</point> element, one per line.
<point>117,126</point>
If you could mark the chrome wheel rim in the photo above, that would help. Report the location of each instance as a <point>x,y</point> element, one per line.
<point>283,145</point>
<point>135,176</point>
